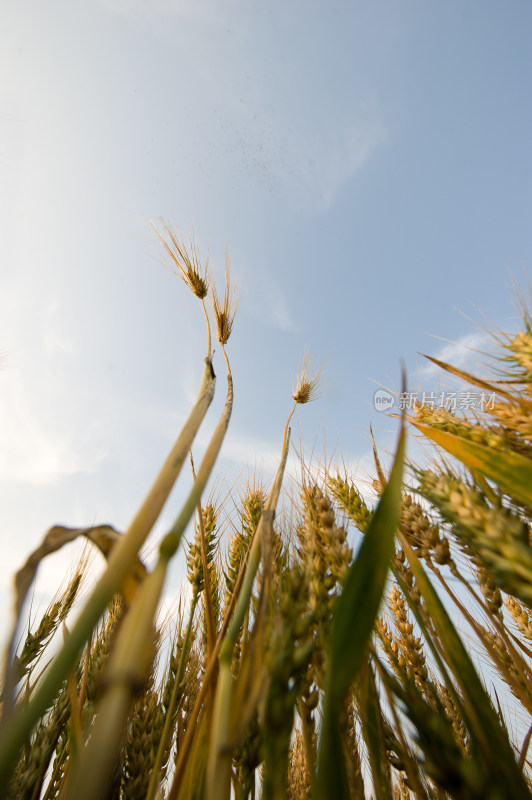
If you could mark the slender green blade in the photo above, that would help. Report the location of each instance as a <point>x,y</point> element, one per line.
<point>353,623</point>
<point>372,731</point>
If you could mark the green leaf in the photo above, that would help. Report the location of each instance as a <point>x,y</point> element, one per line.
<point>353,623</point>
<point>372,731</point>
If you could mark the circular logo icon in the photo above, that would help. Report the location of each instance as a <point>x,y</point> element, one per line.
<point>383,400</point>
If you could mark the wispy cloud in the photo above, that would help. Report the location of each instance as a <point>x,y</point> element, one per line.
<point>463,352</point>
<point>42,439</point>
<point>306,167</point>
<point>36,446</point>
<point>324,164</point>
<point>273,132</point>
<point>269,304</point>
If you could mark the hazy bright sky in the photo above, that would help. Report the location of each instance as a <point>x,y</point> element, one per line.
<point>369,165</point>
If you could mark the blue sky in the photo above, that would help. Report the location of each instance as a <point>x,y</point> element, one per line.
<point>369,165</point>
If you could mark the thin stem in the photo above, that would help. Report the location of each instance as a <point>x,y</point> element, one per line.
<point>174,699</point>
<point>209,345</point>
<point>228,618</point>
<point>171,541</point>
<point>219,756</point>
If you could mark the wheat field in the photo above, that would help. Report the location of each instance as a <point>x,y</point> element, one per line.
<point>330,647</point>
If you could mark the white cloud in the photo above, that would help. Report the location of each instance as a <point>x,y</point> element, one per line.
<point>42,438</point>
<point>35,446</point>
<point>462,353</point>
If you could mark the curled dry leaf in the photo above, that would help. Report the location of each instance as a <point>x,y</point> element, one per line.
<point>103,536</point>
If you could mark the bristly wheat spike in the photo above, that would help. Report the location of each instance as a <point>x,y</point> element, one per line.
<point>224,313</point>
<point>521,616</point>
<point>520,348</point>
<point>186,265</point>
<point>308,388</point>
